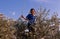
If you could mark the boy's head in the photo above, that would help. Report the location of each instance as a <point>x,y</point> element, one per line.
<point>32,11</point>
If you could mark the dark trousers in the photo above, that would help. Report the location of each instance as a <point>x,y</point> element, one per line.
<point>30,27</point>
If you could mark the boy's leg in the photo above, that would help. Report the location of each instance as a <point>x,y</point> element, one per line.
<point>30,28</point>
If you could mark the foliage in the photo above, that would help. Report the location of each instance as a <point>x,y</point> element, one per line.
<point>44,27</point>
<point>6,31</point>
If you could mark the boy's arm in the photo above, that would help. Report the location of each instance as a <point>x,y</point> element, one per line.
<point>23,17</point>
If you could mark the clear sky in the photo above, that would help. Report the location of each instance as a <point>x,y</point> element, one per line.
<point>15,8</point>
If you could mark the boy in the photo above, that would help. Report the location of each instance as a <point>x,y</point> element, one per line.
<point>31,19</point>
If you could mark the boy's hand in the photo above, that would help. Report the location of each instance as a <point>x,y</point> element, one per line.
<point>22,16</point>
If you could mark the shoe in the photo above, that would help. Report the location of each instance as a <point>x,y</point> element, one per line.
<point>26,30</point>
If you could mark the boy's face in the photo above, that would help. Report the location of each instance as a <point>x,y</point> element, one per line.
<point>33,12</point>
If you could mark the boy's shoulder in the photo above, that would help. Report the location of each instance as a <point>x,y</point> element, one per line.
<point>29,14</point>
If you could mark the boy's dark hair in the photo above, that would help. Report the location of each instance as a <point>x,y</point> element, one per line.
<point>31,10</point>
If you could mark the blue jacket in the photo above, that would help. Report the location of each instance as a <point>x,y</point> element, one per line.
<point>31,18</point>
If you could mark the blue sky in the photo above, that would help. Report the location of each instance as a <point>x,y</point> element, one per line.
<point>15,8</point>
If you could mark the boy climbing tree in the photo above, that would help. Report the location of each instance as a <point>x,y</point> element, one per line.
<point>30,18</point>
